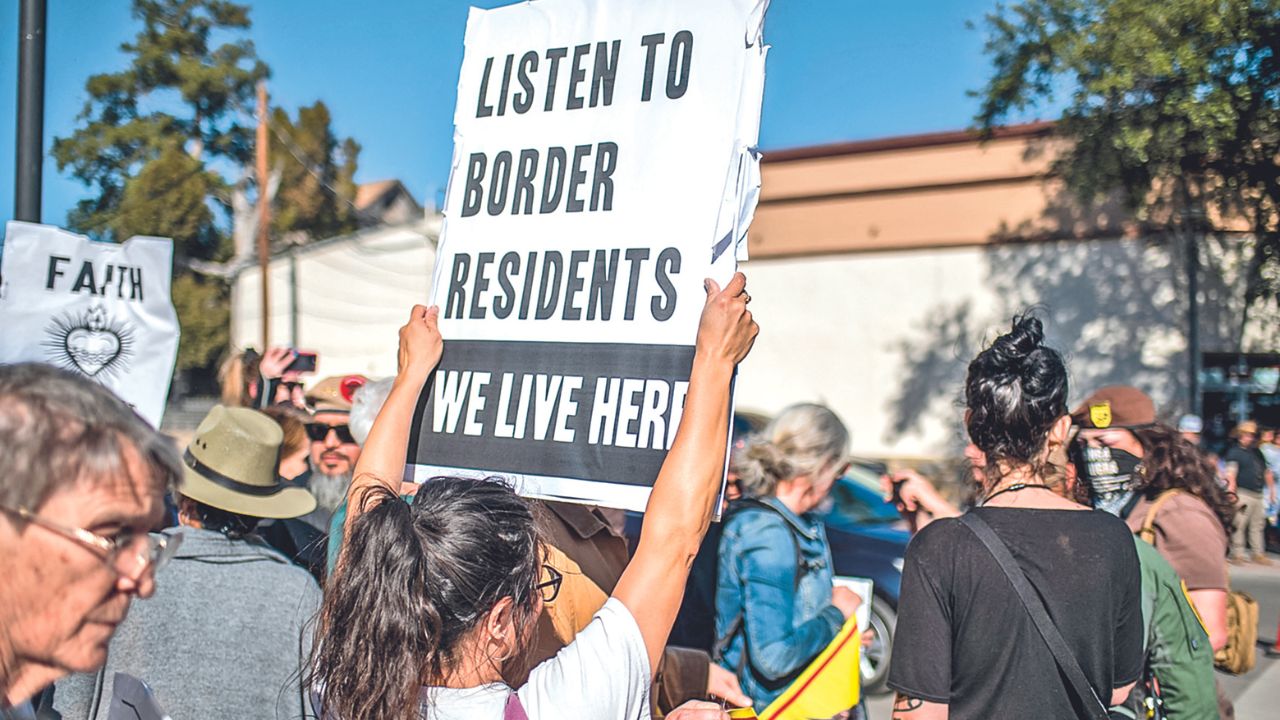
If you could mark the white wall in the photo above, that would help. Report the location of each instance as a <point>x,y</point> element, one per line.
<point>884,338</point>
<point>353,295</point>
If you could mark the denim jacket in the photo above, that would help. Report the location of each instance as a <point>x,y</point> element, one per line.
<point>784,624</point>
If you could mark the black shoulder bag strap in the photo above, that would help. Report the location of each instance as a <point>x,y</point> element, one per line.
<point>1035,608</point>
<point>739,622</point>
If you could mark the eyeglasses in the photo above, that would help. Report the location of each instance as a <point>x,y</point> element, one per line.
<point>550,586</point>
<point>128,553</point>
<point>319,431</point>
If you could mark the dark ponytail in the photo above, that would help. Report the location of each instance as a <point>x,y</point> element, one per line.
<point>1015,391</point>
<point>413,581</point>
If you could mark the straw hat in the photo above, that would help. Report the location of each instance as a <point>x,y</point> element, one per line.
<point>231,465</point>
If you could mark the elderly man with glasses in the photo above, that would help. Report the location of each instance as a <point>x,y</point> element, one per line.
<point>84,481</point>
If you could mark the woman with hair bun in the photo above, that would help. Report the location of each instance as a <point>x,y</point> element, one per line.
<point>776,608</point>
<point>966,645</point>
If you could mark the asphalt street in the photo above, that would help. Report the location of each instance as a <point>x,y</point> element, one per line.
<point>1257,693</point>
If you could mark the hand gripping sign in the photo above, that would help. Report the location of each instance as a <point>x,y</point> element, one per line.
<point>98,309</point>
<point>604,165</point>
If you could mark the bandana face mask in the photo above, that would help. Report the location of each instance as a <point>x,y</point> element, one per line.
<point>1111,474</point>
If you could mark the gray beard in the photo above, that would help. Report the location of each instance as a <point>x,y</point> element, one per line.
<point>329,490</point>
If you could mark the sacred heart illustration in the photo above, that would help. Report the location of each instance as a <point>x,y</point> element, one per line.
<point>90,342</point>
<point>92,350</point>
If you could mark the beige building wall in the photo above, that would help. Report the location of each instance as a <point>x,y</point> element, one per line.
<point>879,269</point>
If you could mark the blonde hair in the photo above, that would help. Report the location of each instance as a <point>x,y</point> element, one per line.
<point>237,372</point>
<point>294,424</point>
<point>802,440</point>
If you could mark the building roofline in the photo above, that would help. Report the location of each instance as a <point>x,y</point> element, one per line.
<point>907,142</point>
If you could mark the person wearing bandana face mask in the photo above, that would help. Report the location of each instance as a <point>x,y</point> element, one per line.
<point>1126,460</point>
<point>1113,475</point>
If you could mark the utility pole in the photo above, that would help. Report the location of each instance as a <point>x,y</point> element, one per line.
<point>1192,221</point>
<point>30,152</point>
<point>264,215</point>
<point>1193,320</point>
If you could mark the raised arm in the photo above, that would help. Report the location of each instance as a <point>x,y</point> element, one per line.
<point>382,458</point>
<point>680,505</point>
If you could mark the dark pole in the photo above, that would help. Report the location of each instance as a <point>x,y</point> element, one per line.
<point>30,155</point>
<point>1193,320</point>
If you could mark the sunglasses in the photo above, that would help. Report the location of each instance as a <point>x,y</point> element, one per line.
<point>317,432</point>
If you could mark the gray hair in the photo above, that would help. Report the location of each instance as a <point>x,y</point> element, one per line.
<point>58,429</point>
<point>366,403</point>
<point>802,440</point>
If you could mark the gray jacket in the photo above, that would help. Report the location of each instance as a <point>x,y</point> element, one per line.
<point>224,636</point>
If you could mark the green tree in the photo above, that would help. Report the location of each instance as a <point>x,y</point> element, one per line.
<point>155,140</point>
<point>317,174</point>
<point>1172,105</point>
<point>166,146</point>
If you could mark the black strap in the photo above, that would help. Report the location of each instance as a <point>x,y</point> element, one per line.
<point>1035,608</point>
<point>229,483</point>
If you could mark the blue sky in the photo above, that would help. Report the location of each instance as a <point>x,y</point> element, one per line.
<point>838,70</point>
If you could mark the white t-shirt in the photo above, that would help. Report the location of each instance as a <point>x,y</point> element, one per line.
<point>602,675</point>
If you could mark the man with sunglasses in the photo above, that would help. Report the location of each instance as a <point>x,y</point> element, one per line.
<point>334,450</point>
<point>84,482</point>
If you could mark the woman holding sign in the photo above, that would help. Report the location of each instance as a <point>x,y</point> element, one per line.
<point>431,599</point>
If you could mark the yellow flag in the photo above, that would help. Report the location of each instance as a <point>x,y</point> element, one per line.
<point>829,686</point>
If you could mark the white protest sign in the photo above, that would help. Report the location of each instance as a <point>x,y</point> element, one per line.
<point>604,165</point>
<point>99,309</point>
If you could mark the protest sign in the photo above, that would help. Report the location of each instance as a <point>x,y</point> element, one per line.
<point>604,165</point>
<point>99,309</point>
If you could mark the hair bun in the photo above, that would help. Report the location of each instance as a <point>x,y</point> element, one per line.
<point>1015,391</point>
<point>1023,339</point>
<point>759,465</point>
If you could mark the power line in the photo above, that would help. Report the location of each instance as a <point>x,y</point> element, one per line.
<point>298,155</point>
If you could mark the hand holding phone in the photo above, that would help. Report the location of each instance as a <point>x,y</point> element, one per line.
<point>304,361</point>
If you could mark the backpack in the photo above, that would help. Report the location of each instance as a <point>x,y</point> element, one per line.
<point>1239,656</point>
<point>1178,679</point>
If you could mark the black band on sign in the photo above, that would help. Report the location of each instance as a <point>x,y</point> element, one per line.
<point>232,484</point>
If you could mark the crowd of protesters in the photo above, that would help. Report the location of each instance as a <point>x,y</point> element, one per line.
<point>288,570</point>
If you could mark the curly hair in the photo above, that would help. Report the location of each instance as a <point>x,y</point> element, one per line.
<point>1015,391</point>
<point>1170,461</point>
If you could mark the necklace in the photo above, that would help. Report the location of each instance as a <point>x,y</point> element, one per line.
<point>1012,488</point>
